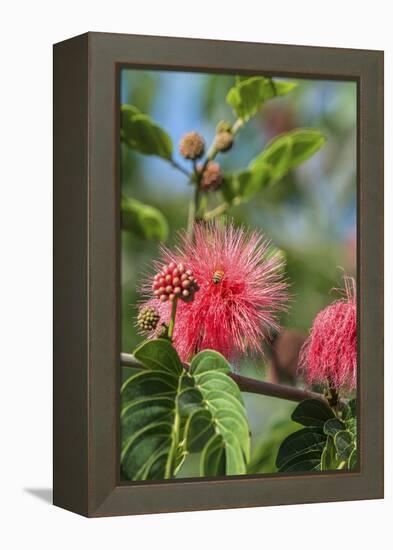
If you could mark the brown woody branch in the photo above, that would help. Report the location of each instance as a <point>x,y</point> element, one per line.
<point>249,385</point>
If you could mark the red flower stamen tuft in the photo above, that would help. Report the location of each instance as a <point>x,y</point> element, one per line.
<point>329,354</point>
<point>241,290</point>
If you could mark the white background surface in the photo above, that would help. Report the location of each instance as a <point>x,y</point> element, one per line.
<point>28,30</point>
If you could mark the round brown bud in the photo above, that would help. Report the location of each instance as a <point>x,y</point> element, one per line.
<point>192,146</point>
<point>212,177</point>
<point>148,319</point>
<point>223,141</point>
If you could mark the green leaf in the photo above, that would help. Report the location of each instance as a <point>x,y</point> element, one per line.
<point>312,412</point>
<point>353,460</point>
<point>213,462</point>
<point>329,459</point>
<point>159,355</point>
<point>287,151</point>
<point>249,94</point>
<point>145,221</point>
<point>349,410</point>
<point>167,412</point>
<point>308,465</point>
<point>325,443</point>
<point>217,409</point>
<point>344,444</point>
<point>209,360</point>
<point>243,184</point>
<point>281,155</point>
<point>332,426</point>
<point>351,424</point>
<point>126,372</point>
<point>142,134</point>
<point>230,187</point>
<point>199,430</point>
<point>302,447</point>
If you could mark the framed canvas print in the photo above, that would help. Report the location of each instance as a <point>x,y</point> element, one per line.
<point>218,274</point>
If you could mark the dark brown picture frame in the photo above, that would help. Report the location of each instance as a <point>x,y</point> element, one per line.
<point>86,273</point>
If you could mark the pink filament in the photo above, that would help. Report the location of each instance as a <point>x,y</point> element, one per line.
<point>236,314</point>
<point>330,352</point>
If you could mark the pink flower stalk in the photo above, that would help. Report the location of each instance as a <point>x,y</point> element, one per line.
<point>329,354</point>
<point>241,290</point>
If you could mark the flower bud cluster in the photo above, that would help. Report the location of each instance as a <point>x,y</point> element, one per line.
<point>148,319</point>
<point>175,281</point>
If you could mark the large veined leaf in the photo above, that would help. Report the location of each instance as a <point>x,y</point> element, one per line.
<point>329,459</point>
<point>332,426</point>
<point>287,151</point>
<point>343,441</point>
<point>168,411</point>
<point>325,443</point>
<point>145,221</point>
<point>141,133</point>
<point>350,410</point>
<point>243,185</point>
<point>312,412</point>
<point>148,413</point>
<point>302,450</point>
<point>281,155</point>
<point>352,461</point>
<point>217,423</point>
<point>249,94</point>
<point>301,447</point>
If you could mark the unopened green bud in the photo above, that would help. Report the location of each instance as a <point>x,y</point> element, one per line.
<point>148,319</point>
<point>223,141</point>
<point>223,126</point>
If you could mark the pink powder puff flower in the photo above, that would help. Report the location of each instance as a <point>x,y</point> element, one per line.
<point>241,290</point>
<point>329,354</point>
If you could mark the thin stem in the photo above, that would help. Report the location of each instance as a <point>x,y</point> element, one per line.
<point>193,210</point>
<point>195,177</point>
<point>332,395</point>
<point>195,169</point>
<point>221,209</point>
<point>191,216</point>
<point>218,211</point>
<point>202,204</point>
<point>250,385</point>
<point>197,198</point>
<point>211,154</point>
<point>173,317</point>
<point>289,393</point>
<point>237,126</point>
<point>171,462</point>
<point>194,203</point>
<point>180,168</point>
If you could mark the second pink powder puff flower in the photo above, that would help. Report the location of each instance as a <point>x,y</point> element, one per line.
<point>329,354</point>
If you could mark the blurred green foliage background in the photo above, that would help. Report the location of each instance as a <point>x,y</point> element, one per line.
<point>310,213</point>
